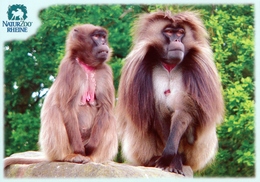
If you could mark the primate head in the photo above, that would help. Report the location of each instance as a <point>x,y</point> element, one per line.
<point>170,37</point>
<point>89,44</point>
<point>174,47</point>
<point>100,48</point>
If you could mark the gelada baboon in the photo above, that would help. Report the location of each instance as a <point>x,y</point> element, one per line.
<point>170,97</point>
<point>77,122</point>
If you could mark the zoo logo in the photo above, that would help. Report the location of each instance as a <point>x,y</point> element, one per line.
<point>17,12</point>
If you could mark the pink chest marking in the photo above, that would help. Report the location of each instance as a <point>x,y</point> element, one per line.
<point>89,94</point>
<point>167,92</point>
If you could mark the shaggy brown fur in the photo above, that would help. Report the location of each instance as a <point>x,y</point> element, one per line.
<point>156,128</point>
<point>70,130</point>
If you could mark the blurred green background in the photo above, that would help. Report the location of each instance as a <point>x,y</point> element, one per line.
<point>31,67</point>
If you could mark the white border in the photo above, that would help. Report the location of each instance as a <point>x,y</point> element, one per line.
<point>35,6</point>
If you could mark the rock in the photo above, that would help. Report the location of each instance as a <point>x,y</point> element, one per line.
<point>89,170</point>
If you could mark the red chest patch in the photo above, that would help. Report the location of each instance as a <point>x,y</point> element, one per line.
<point>167,92</point>
<point>169,67</point>
<point>89,95</point>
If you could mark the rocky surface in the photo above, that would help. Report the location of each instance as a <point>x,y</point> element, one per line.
<point>90,170</point>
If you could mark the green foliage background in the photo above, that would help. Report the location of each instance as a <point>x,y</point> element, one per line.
<point>31,66</point>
